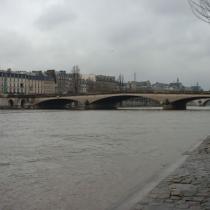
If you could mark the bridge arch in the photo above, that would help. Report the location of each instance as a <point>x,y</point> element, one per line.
<point>181,104</point>
<point>113,101</point>
<point>22,103</point>
<point>57,103</point>
<point>11,103</point>
<point>206,102</point>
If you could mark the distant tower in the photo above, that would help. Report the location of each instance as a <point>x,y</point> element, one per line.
<point>177,80</point>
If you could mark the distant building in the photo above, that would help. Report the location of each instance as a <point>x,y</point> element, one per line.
<point>173,86</point>
<point>106,84</point>
<point>160,86</point>
<point>176,85</point>
<point>25,83</point>
<point>138,86</point>
<point>196,88</point>
<point>104,78</point>
<point>63,81</point>
<point>98,84</point>
<point>91,77</point>
<point>83,86</point>
<point>88,82</point>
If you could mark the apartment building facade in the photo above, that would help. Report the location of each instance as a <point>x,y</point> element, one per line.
<point>24,83</point>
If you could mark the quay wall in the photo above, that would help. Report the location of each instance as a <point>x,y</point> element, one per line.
<point>15,103</point>
<point>4,103</point>
<point>188,187</point>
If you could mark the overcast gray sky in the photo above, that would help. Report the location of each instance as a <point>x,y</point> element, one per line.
<point>160,40</point>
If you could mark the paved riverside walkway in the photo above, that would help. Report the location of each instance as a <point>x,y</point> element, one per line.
<point>188,187</point>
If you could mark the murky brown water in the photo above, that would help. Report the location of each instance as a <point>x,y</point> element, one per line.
<point>89,160</point>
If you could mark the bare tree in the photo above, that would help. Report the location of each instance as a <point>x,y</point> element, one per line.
<point>76,79</point>
<point>201,8</point>
<point>121,82</point>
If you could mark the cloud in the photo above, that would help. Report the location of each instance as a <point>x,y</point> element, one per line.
<point>13,47</point>
<point>178,8</point>
<point>55,16</point>
<point>159,40</point>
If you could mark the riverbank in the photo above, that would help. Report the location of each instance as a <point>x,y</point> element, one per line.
<point>188,187</point>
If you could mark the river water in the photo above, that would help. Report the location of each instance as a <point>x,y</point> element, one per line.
<point>89,160</point>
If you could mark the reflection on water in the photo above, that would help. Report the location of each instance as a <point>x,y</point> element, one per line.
<point>89,160</point>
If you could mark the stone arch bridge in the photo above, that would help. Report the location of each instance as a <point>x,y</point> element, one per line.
<point>204,102</point>
<point>111,101</point>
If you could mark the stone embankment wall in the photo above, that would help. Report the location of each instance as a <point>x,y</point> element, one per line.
<point>6,103</point>
<point>186,188</point>
<point>15,103</point>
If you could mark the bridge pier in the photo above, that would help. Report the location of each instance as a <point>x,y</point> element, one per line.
<point>171,106</point>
